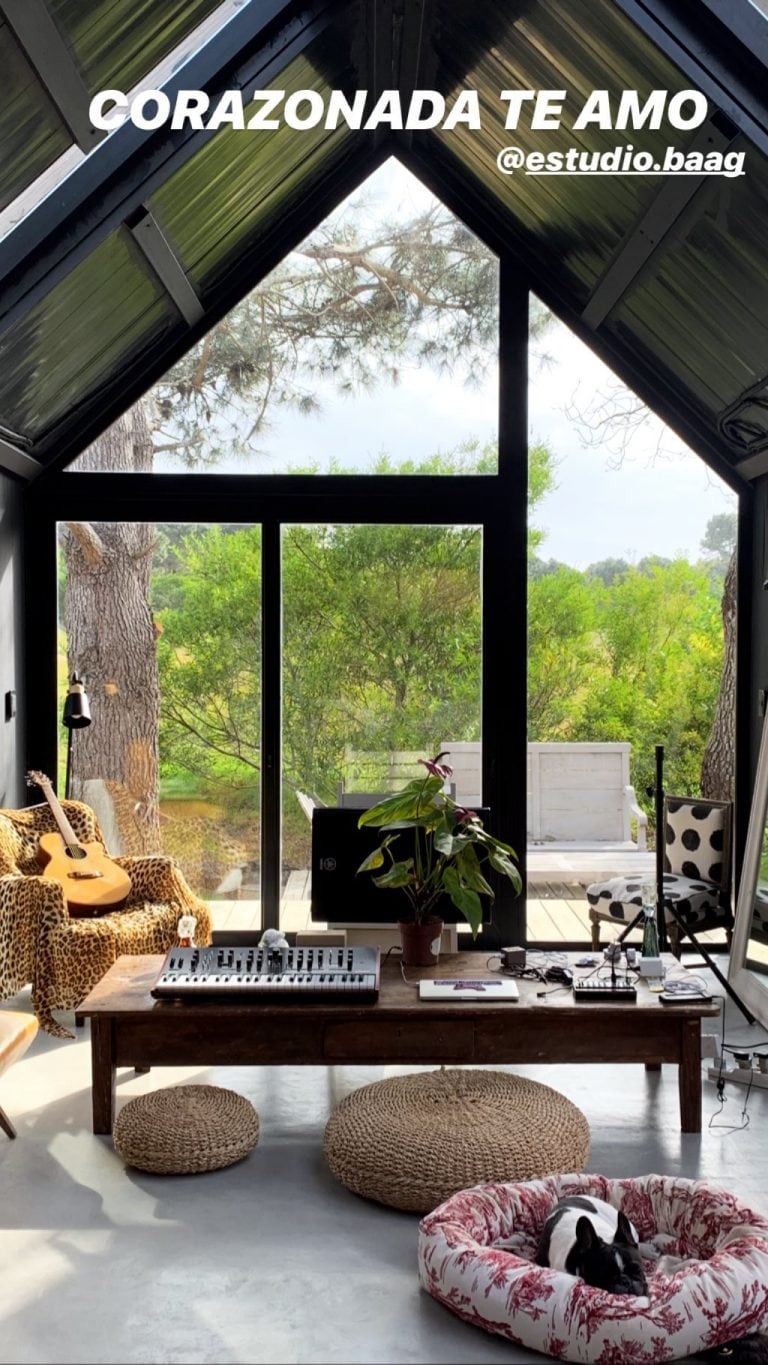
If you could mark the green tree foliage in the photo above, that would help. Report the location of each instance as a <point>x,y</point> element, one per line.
<point>350,306</point>
<point>561,650</point>
<point>607,570</point>
<point>208,603</point>
<point>382,650</point>
<point>382,633</point>
<point>381,641</point>
<point>655,671</point>
<point>381,647</point>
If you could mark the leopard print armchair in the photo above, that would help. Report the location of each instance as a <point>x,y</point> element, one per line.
<point>63,958</point>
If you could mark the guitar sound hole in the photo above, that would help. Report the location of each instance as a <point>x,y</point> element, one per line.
<point>74,851</point>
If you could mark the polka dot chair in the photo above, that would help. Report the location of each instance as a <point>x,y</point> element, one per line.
<point>697,873</point>
<point>759,927</point>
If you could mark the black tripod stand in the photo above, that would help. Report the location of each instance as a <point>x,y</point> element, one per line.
<point>662,906</point>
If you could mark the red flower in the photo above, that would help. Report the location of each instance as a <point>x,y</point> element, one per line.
<point>436,768</point>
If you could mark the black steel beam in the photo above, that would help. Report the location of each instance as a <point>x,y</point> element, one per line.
<point>505,612</point>
<point>271,722</point>
<point>710,55</point>
<point>371,499</point>
<point>48,53</point>
<point>746,21</point>
<point>41,729</point>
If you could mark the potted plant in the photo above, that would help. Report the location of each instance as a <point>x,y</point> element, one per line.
<point>433,847</point>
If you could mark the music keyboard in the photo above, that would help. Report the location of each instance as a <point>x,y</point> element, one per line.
<point>260,973</point>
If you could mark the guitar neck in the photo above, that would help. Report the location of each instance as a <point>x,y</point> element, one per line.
<point>65,829</point>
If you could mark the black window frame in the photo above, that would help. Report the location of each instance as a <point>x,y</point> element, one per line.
<point>496,503</point>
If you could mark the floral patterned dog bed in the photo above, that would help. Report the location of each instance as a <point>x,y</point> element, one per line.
<point>705,1256</point>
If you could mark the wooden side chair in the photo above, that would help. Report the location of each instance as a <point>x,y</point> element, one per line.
<point>697,874</point>
<point>16,1033</point>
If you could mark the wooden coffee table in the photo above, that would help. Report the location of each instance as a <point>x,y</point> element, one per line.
<point>130,1028</point>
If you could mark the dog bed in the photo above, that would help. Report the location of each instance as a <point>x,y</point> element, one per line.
<point>705,1255</point>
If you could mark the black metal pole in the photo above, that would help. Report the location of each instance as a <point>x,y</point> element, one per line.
<point>68,778</point>
<point>661,919</point>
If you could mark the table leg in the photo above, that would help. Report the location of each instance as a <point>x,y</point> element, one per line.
<point>689,1075</point>
<point>102,1074</point>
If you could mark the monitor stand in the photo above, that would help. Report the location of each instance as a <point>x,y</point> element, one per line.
<point>386,936</point>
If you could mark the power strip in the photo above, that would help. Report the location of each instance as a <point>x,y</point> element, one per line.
<point>739,1075</point>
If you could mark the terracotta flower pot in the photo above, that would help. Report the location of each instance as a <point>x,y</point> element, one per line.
<point>421,942</point>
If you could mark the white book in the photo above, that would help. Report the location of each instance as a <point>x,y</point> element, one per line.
<point>469,988</point>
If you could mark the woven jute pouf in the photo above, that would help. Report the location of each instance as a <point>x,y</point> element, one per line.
<point>412,1141</point>
<point>185,1129</point>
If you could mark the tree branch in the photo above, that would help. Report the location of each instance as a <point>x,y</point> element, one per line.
<point>92,546</point>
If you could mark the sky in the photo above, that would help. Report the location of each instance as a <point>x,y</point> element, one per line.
<point>654,498</point>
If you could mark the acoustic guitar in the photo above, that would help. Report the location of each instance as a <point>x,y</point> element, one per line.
<point>93,884</point>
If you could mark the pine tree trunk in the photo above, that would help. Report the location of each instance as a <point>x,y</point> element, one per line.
<point>112,644</point>
<point>719,762</point>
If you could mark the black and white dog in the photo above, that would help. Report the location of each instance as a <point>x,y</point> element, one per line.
<point>585,1236</point>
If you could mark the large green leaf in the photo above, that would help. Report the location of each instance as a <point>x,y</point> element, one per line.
<point>399,874</point>
<point>416,799</point>
<point>429,819</point>
<point>375,859</point>
<point>471,872</point>
<point>481,836</point>
<point>444,840</point>
<point>465,900</point>
<point>502,864</point>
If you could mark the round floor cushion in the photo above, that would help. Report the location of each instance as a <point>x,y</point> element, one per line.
<point>185,1129</point>
<point>411,1141</point>
<point>705,1255</point>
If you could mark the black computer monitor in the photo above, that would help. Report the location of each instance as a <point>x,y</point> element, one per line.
<point>339,896</point>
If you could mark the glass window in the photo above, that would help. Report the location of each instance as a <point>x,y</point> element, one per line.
<point>631,539</point>
<point>381,667</point>
<point>163,623</point>
<point>372,348</point>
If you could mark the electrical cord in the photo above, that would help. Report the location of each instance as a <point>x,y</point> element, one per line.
<point>414,984</point>
<point>736,1050</point>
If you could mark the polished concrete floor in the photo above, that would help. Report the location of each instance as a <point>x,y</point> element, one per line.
<point>271,1260</point>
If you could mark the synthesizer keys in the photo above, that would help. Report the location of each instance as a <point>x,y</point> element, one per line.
<point>269,973</point>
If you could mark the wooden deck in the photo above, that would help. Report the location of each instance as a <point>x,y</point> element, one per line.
<point>551,918</point>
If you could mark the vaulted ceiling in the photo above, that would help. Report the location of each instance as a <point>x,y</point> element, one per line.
<point>121,250</point>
